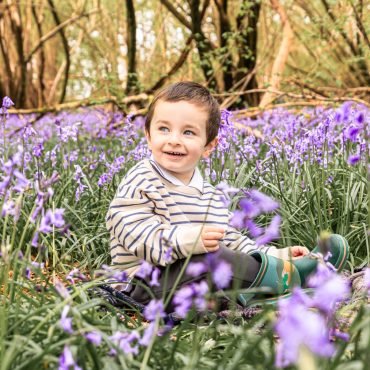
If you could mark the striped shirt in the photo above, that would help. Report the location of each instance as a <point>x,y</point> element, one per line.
<point>155,217</point>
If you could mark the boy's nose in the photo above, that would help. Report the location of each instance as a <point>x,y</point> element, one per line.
<point>174,139</point>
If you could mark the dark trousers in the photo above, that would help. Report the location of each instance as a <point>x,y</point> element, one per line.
<point>244,267</point>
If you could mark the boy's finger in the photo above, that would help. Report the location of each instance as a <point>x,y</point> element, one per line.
<point>213,236</point>
<point>216,229</point>
<point>213,249</point>
<point>210,243</point>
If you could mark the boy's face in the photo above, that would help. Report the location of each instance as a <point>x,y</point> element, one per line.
<point>177,137</point>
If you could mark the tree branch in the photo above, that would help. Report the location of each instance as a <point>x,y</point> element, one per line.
<point>53,32</point>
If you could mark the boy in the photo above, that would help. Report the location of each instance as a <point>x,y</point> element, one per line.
<point>164,201</point>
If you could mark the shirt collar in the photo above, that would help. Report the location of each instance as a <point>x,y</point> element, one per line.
<point>195,182</point>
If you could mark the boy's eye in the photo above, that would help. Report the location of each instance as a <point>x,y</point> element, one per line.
<point>189,132</point>
<point>163,128</point>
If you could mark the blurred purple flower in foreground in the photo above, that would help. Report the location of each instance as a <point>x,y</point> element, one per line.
<point>253,205</point>
<point>154,309</point>
<point>299,325</point>
<point>220,270</point>
<point>126,342</point>
<point>189,295</point>
<point>66,322</point>
<point>94,337</point>
<point>367,279</point>
<point>66,361</point>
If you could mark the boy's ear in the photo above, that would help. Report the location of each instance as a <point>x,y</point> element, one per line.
<point>210,147</point>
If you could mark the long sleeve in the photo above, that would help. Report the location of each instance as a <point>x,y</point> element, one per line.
<point>139,222</point>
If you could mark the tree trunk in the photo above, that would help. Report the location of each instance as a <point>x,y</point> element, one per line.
<point>132,86</point>
<point>282,55</point>
<point>226,57</point>
<point>247,46</point>
<point>66,50</point>
<point>203,45</point>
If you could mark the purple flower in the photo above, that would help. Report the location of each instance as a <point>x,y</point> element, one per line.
<point>264,202</point>
<point>272,232</point>
<point>298,326</point>
<point>66,360</point>
<point>66,322</point>
<point>145,270</point>
<point>148,334</point>
<point>126,342</point>
<point>51,219</point>
<point>254,230</point>
<point>111,273</point>
<point>367,279</point>
<point>154,309</point>
<point>37,150</point>
<point>75,274</point>
<point>22,183</point>
<point>222,275</point>
<point>94,337</point>
<point>196,268</point>
<point>189,295</point>
<point>334,290</point>
<point>62,290</point>
<point>154,277</point>
<point>353,159</point>
<point>7,102</point>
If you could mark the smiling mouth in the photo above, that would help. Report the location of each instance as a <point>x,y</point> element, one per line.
<point>175,154</point>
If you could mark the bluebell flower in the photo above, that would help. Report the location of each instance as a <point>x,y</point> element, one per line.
<point>190,295</point>
<point>66,322</point>
<point>7,102</point>
<point>94,337</point>
<point>298,326</point>
<point>66,361</point>
<point>154,309</point>
<point>127,342</point>
<point>148,334</point>
<point>222,275</point>
<point>353,159</point>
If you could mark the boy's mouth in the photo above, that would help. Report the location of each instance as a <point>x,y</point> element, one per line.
<point>178,154</point>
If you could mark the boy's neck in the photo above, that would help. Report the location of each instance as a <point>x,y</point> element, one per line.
<point>195,181</point>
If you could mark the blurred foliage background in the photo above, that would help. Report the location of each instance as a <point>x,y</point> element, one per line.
<point>250,53</point>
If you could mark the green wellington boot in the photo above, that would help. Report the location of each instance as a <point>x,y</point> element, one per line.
<point>280,276</point>
<point>277,275</point>
<point>333,243</point>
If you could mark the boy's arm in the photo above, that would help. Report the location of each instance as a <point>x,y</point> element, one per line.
<point>141,228</point>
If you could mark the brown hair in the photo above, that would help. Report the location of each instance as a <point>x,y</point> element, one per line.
<point>191,92</point>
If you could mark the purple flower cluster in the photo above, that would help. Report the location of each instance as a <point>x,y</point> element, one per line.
<point>49,220</point>
<point>192,295</point>
<point>66,361</point>
<point>253,205</point>
<point>220,271</point>
<point>298,325</point>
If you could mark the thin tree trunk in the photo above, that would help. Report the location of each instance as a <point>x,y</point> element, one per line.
<point>65,47</point>
<point>203,45</point>
<point>41,71</point>
<point>225,29</point>
<point>282,55</point>
<point>132,86</point>
<point>247,46</point>
<point>16,26</point>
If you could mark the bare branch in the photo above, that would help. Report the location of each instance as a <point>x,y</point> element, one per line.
<point>53,32</point>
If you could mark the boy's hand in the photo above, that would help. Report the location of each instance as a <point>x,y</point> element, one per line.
<point>298,251</point>
<point>210,237</point>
